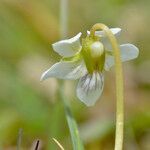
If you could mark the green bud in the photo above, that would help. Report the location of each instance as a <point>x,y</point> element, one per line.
<point>97,49</point>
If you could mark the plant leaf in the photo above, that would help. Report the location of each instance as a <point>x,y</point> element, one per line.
<point>76,140</point>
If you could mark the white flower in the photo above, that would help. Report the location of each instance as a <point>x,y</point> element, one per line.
<point>87,62</point>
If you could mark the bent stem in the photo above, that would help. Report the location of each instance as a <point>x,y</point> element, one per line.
<point>119,84</point>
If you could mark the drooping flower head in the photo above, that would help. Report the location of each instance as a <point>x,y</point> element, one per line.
<point>86,60</point>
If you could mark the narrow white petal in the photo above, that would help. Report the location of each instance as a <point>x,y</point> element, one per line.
<point>127,52</point>
<point>65,70</point>
<point>90,88</point>
<point>68,47</point>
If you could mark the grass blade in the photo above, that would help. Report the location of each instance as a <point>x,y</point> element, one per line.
<point>59,145</point>
<point>76,140</point>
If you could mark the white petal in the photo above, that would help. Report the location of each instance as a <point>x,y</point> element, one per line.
<point>90,88</point>
<point>127,52</point>
<point>68,47</point>
<point>115,31</point>
<point>65,70</point>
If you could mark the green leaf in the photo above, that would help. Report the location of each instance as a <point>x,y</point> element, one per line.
<point>76,140</point>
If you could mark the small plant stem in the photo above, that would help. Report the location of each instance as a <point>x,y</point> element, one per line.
<point>63,18</point>
<point>76,141</point>
<point>19,139</point>
<point>119,84</point>
<point>75,137</point>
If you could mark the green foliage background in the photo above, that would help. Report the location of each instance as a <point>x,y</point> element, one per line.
<point>27,30</point>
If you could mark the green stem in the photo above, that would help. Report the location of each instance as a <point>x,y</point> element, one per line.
<point>119,83</point>
<point>19,139</point>
<point>77,143</point>
<point>63,18</point>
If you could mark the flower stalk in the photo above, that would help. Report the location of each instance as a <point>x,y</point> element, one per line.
<point>119,84</point>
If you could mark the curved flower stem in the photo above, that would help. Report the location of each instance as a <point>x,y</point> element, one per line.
<point>119,83</point>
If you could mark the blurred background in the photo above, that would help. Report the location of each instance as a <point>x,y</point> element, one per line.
<point>27,30</point>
